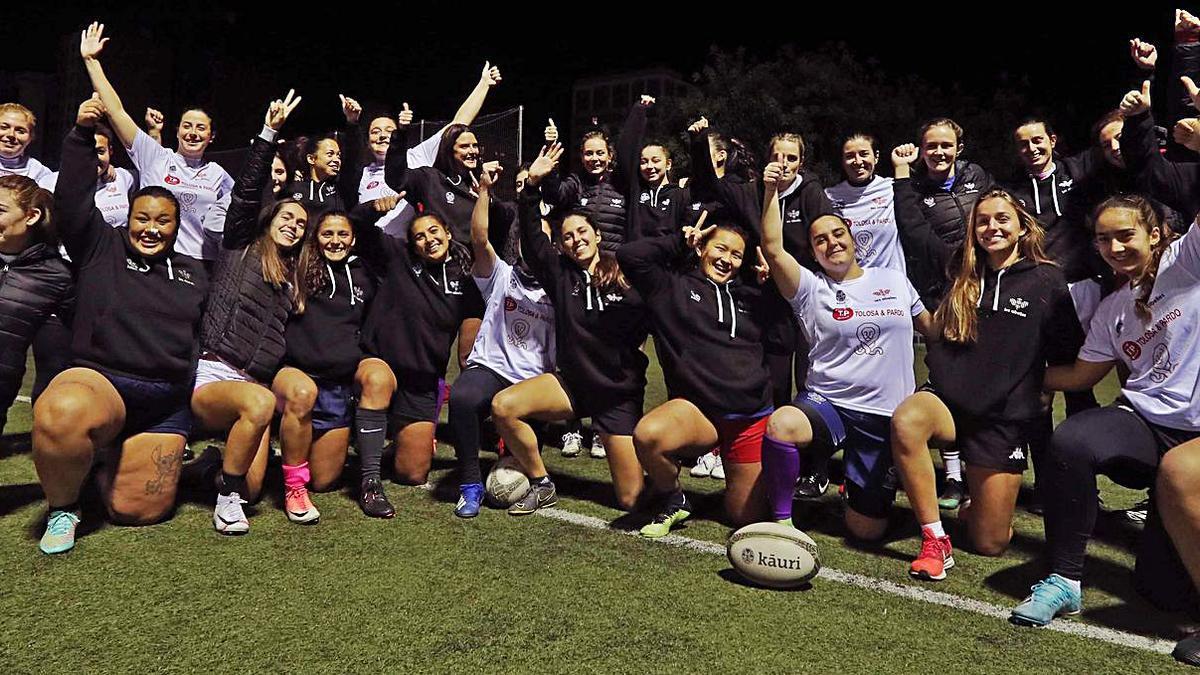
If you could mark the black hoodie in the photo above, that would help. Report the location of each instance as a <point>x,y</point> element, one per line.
<point>598,333</point>
<point>323,341</point>
<point>417,310</point>
<point>336,193</point>
<point>652,211</point>
<point>1026,321</point>
<point>136,317</point>
<point>729,199</point>
<point>451,198</point>
<point>1172,183</point>
<point>707,335</point>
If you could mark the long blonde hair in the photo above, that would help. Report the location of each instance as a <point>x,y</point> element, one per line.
<point>956,316</point>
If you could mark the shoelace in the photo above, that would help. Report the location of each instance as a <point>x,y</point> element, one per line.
<point>932,548</point>
<point>298,492</point>
<point>61,523</point>
<point>1047,591</point>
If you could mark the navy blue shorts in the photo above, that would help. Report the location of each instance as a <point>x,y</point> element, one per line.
<point>153,407</point>
<point>865,441</point>
<point>334,406</point>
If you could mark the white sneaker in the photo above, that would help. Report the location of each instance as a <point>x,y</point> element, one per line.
<point>597,451</point>
<point>228,517</point>
<point>718,470</point>
<point>572,444</point>
<point>704,465</point>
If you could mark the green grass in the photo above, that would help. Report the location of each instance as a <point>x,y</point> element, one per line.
<point>429,592</point>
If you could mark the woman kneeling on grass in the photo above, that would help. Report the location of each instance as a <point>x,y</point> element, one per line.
<point>858,323</point>
<point>601,324</point>
<point>1007,314</point>
<point>708,326</point>
<point>1151,435</point>
<point>241,341</point>
<point>136,322</point>
<point>316,384</point>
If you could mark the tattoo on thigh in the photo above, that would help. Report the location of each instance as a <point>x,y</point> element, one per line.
<point>166,466</point>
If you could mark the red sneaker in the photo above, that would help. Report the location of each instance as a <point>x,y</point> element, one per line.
<point>935,558</point>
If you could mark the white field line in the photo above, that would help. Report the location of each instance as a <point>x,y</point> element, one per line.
<point>1067,626</point>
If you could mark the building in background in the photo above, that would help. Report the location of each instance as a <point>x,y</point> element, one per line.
<point>605,100</point>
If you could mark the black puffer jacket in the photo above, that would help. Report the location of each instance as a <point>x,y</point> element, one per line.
<point>246,316</point>
<point>949,210</point>
<point>597,196</point>
<point>33,286</point>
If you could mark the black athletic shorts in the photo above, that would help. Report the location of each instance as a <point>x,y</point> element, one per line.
<point>1001,445</point>
<point>414,403</point>
<point>612,416</point>
<point>153,407</point>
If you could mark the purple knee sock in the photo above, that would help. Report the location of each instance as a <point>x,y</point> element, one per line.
<point>781,467</point>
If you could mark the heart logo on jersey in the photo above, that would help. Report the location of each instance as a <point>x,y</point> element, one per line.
<point>188,199</point>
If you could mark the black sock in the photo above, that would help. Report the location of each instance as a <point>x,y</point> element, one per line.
<point>541,482</point>
<point>231,484</point>
<point>370,432</point>
<point>678,500</point>
<point>73,507</point>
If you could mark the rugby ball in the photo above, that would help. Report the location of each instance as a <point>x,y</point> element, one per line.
<point>773,555</point>
<point>506,483</point>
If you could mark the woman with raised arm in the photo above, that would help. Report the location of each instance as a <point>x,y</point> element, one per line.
<point>396,211</point>
<point>316,385</point>
<point>37,282</point>
<point>708,324</point>
<point>1151,435</point>
<point>516,342</point>
<point>331,166</point>
<point>723,181</point>
<point>114,184</point>
<point>937,197</point>
<point>602,323</point>
<point>202,188</point>
<point>242,337</point>
<point>136,322</point>
<point>655,205</point>
<point>1007,314</point>
<point>858,324</point>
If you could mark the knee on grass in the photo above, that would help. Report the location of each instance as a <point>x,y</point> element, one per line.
<point>132,511</point>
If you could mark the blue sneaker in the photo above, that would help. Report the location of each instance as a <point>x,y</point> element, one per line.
<point>470,496</point>
<point>60,532</point>
<point>1050,597</point>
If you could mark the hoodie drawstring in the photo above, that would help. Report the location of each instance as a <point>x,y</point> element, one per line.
<point>721,308</point>
<point>170,270</point>
<point>332,281</point>
<point>445,280</point>
<point>350,281</point>
<point>587,280</point>
<point>1054,194</point>
<point>996,294</point>
<point>1037,197</point>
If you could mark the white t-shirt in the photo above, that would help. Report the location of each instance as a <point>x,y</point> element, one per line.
<point>202,189</point>
<point>371,186</point>
<point>870,211</point>
<point>112,198</point>
<point>28,167</point>
<point>860,336</point>
<point>1163,354</point>
<point>516,337</point>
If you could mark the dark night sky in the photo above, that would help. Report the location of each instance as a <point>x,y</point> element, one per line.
<point>233,59</point>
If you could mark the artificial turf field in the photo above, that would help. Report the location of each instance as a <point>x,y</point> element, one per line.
<point>428,592</point>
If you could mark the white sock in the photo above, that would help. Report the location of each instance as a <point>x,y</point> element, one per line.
<point>953,465</point>
<point>933,529</point>
<point>1074,583</point>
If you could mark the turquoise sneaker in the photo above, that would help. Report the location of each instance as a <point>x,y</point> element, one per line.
<point>1050,597</point>
<point>60,532</point>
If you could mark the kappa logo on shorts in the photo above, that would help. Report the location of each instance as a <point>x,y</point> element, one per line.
<point>1017,455</point>
<point>664,202</point>
<point>968,186</point>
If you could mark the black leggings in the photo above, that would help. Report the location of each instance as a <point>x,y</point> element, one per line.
<point>1117,443</point>
<point>470,404</point>
<point>51,353</point>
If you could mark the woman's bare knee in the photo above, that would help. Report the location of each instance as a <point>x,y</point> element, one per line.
<point>788,424</point>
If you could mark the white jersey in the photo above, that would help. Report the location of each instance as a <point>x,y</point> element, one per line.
<point>1162,354</point>
<point>202,189</point>
<point>28,167</point>
<point>516,337</point>
<point>112,198</point>
<point>870,211</point>
<point>371,186</point>
<point>860,336</point>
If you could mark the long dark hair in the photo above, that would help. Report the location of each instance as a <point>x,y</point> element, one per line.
<point>444,161</point>
<point>1148,218</point>
<point>311,272</point>
<point>458,253</point>
<point>739,160</point>
<point>29,197</point>
<point>608,272</point>
<point>278,266</point>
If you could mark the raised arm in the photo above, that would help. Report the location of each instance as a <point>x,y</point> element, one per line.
<point>536,248</point>
<point>241,220</point>
<point>351,146</point>
<point>646,262</point>
<point>926,253</point>
<point>629,147</point>
<point>1173,183</point>
<point>481,246</point>
<point>704,177</point>
<point>396,172</point>
<point>469,110</point>
<point>79,224</point>
<point>91,43</point>
<point>785,269</point>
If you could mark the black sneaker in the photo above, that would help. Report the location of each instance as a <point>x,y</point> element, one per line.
<point>952,495</point>
<point>1187,650</point>
<point>539,496</point>
<point>374,501</point>
<point>812,486</point>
